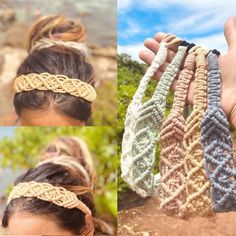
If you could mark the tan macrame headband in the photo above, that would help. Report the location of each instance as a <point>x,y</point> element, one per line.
<point>55,83</point>
<point>47,43</point>
<point>69,162</point>
<point>49,193</point>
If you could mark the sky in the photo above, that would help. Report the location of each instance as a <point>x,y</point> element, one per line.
<point>7,131</point>
<point>197,21</point>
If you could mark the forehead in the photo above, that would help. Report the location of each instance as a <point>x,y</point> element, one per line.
<point>22,223</point>
<point>46,117</point>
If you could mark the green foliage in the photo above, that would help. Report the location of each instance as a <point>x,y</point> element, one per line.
<point>125,61</point>
<point>105,106</point>
<point>129,75</point>
<point>21,152</point>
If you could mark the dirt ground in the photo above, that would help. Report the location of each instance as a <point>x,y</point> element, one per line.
<point>145,219</point>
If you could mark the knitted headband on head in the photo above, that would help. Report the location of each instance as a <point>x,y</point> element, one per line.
<point>69,162</point>
<point>54,83</point>
<point>47,42</point>
<point>49,193</point>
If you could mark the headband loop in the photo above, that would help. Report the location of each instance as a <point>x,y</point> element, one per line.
<point>71,163</point>
<point>47,43</point>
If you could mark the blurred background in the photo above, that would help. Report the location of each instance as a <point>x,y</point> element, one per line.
<point>20,147</point>
<point>99,19</point>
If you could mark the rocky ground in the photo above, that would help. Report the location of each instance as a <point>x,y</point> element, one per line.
<point>143,218</point>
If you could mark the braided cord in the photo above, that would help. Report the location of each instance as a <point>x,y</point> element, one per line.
<point>215,137</point>
<point>131,116</point>
<point>54,83</point>
<point>147,129</point>
<point>198,200</point>
<point>47,43</point>
<point>49,193</point>
<point>173,185</point>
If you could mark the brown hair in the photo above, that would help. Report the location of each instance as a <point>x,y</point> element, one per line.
<point>58,175</point>
<point>57,59</point>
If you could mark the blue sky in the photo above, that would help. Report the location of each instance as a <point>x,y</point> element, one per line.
<point>7,131</point>
<point>197,21</point>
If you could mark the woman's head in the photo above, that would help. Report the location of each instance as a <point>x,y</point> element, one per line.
<point>46,217</point>
<point>50,51</point>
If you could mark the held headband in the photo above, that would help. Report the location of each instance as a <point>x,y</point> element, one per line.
<point>49,193</point>
<point>54,83</point>
<point>173,187</point>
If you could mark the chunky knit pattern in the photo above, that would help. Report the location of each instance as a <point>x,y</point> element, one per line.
<point>47,43</point>
<point>173,185</point>
<point>198,200</point>
<point>49,193</point>
<point>131,116</point>
<point>56,84</point>
<point>215,137</point>
<point>147,129</point>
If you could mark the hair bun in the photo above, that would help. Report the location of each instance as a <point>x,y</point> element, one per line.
<point>56,28</point>
<point>68,150</point>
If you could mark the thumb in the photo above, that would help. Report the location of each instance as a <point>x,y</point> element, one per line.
<point>230,32</point>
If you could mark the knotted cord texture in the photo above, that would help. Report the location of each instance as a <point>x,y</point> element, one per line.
<point>131,116</point>
<point>198,200</point>
<point>215,137</point>
<point>47,192</point>
<point>71,163</point>
<point>173,182</point>
<point>55,83</point>
<point>147,129</point>
<point>47,43</point>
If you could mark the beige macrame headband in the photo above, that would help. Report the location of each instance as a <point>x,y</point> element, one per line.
<point>55,83</point>
<point>47,42</point>
<point>49,193</point>
<point>69,162</point>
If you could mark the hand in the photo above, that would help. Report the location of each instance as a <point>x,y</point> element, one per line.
<point>227,64</point>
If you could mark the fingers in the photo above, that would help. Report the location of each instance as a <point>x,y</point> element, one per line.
<point>153,46</point>
<point>159,36</point>
<point>147,56</point>
<point>230,32</point>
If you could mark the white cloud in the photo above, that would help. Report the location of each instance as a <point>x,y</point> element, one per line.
<point>189,4</point>
<point>133,28</point>
<point>200,22</point>
<point>197,17</point>
<point>124,4</point>
<point>132,50</point>
<point>215,41</point>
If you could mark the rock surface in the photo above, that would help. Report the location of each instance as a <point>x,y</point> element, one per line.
<point>147,220</point>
